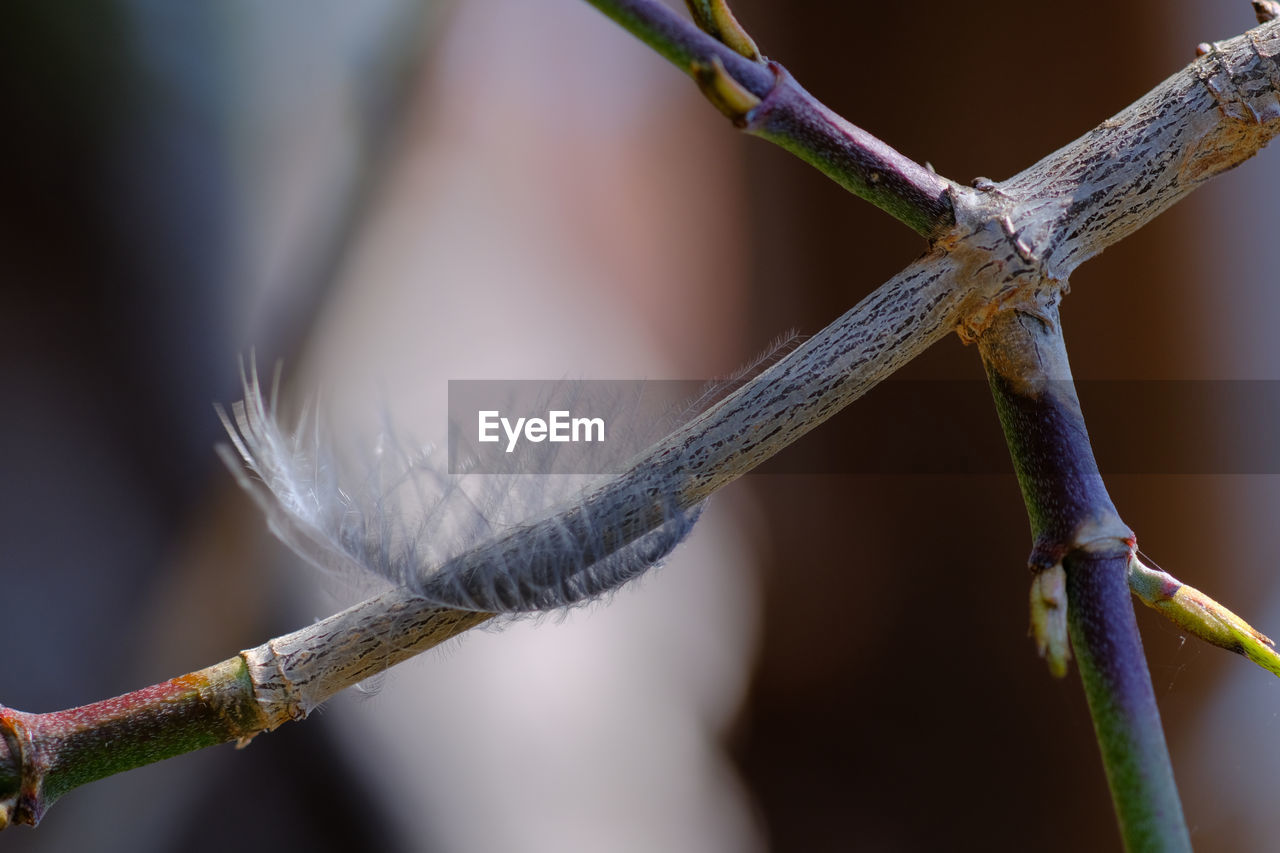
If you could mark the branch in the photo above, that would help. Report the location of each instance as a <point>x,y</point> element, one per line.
<point>906,315</point>
<point>1204,120</point>
<point>1078,533</point>
<point>291,675</point>
<point>769,103</point>
<point>45,755</point>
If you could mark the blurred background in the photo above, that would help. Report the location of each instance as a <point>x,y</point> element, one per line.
<point>392,194</point>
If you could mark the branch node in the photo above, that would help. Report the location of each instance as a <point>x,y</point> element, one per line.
<point>1241,92</point>
<point>1266,10</point>
<point>1000,252</point>
<point>723,91</point>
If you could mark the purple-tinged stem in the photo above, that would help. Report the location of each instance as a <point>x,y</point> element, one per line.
<point>45,755</point>
<point>1075,526</point>
<point>790,117</point>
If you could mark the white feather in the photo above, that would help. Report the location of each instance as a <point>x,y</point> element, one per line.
<point>410,522</point>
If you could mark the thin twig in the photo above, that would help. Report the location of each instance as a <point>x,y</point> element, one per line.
<point>789,116</point>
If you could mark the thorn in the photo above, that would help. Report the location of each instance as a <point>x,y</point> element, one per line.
<point>1049,618</point>
<point>715,19</point>
<point>727,94</point>
<point>1266,10</point>
<point>1019,245</point>
<point>986,185</point>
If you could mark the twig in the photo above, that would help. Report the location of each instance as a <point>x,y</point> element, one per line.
<point>1117,685</point>
<point>46,755</point>
<point>787,115</point>
<point>1077,531</point>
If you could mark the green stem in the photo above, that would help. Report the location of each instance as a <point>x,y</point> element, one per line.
<point>46,755</point>
<point>1113,669</point>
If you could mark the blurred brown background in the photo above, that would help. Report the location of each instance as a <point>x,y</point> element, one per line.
<point>394,195</point>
